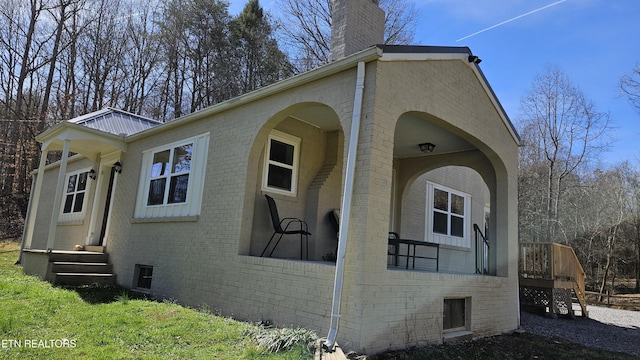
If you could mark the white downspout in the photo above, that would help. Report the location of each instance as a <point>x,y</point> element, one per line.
<point>346,208</point>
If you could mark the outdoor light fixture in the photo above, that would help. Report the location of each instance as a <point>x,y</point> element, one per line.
<point>117,167</point>
<point>92,174</point>
<point>474,59</point>
<point>427,147</point>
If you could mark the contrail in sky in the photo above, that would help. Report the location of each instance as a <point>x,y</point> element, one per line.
<point>512,19</point>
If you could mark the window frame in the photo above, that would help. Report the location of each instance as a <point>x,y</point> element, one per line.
<point>448,238</point>
<point>142,275</point>
<point>191,206</point>
<point>168,173</point>
<point>290,140</point>
<point>74,216</point>
<point>466,310</point>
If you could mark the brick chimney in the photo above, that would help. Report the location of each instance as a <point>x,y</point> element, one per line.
<point>356,25</point>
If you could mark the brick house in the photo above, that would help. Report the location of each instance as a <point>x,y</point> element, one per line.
<point>180,211</point>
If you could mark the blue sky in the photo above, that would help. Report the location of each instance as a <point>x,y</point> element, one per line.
<point>594,42</point>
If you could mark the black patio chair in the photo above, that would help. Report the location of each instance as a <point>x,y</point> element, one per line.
<point>302,229</point>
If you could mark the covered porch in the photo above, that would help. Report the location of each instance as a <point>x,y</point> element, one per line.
<point>440,199</point>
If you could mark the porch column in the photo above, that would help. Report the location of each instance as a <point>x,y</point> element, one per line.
<point>57,202</point>
<point>34,200</point>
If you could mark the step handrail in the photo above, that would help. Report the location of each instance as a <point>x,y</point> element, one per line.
<point>482,250</point>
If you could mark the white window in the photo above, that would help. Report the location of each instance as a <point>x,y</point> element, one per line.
<point>169,178</point>
<point>448,216</point>
<point>75,195</point>
<point>280,173</point>
<point>172,179</point>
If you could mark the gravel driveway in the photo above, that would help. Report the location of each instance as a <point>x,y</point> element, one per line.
<point>609,329</point>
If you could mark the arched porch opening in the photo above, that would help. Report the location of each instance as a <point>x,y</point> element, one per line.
<point>443,196</point>
<point>297,159</point>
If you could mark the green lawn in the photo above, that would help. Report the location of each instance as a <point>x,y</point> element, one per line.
<point>38,321</point>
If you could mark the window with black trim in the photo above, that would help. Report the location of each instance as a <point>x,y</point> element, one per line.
<point>144,275</point>
<point>281,163</point>
<point>76,188</point>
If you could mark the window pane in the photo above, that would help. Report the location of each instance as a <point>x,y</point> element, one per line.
<point>77,206</point>
<point>281,152</point>
<point>160,165</point>
<point>457,226</point>
<point>440,200</point>
<point>439,223</point>
<point>71,186</point>
<point>457,204</point>
<point>156,192</point>
<point>279,177</point>
<point>145,275</point>
<point>82,181</point>
<point>182,158</point>
<point>454,313</point>
<point>178,189</point>
<point>68,204</point>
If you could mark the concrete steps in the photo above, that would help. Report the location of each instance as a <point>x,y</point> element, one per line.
<point>80,268</point>
<point>77,279</point>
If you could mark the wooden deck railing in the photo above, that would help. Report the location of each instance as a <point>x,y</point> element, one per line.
<point>551,261</point>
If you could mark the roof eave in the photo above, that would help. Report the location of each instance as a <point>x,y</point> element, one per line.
<point>461,53</point>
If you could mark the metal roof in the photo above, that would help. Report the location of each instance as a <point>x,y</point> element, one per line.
<point>115,121</point>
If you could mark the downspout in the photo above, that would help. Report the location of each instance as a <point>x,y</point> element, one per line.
<point>343,233</point>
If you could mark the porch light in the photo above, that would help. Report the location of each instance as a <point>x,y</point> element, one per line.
<point>92,174</point>
<point>117,167</point>
<point>427,147</point>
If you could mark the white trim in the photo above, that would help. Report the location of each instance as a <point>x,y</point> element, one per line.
<point>295,168</point>
<point>447,239</point>
<point>77,216</point>
<point>103,174</point>
<point>195,187</point>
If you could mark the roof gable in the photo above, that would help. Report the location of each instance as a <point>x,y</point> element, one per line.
<point>115,121</point>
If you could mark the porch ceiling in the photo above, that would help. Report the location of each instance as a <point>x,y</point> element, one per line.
<point>413,129</point>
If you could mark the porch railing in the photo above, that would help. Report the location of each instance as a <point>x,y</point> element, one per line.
<point>482,250</point>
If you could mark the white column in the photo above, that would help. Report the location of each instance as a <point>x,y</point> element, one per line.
<point>57,202</point>
<point>34,200</point>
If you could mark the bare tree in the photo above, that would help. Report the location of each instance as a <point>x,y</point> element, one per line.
<point>567,132</point>
<point>306,28</point>
<point>630,85</point>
